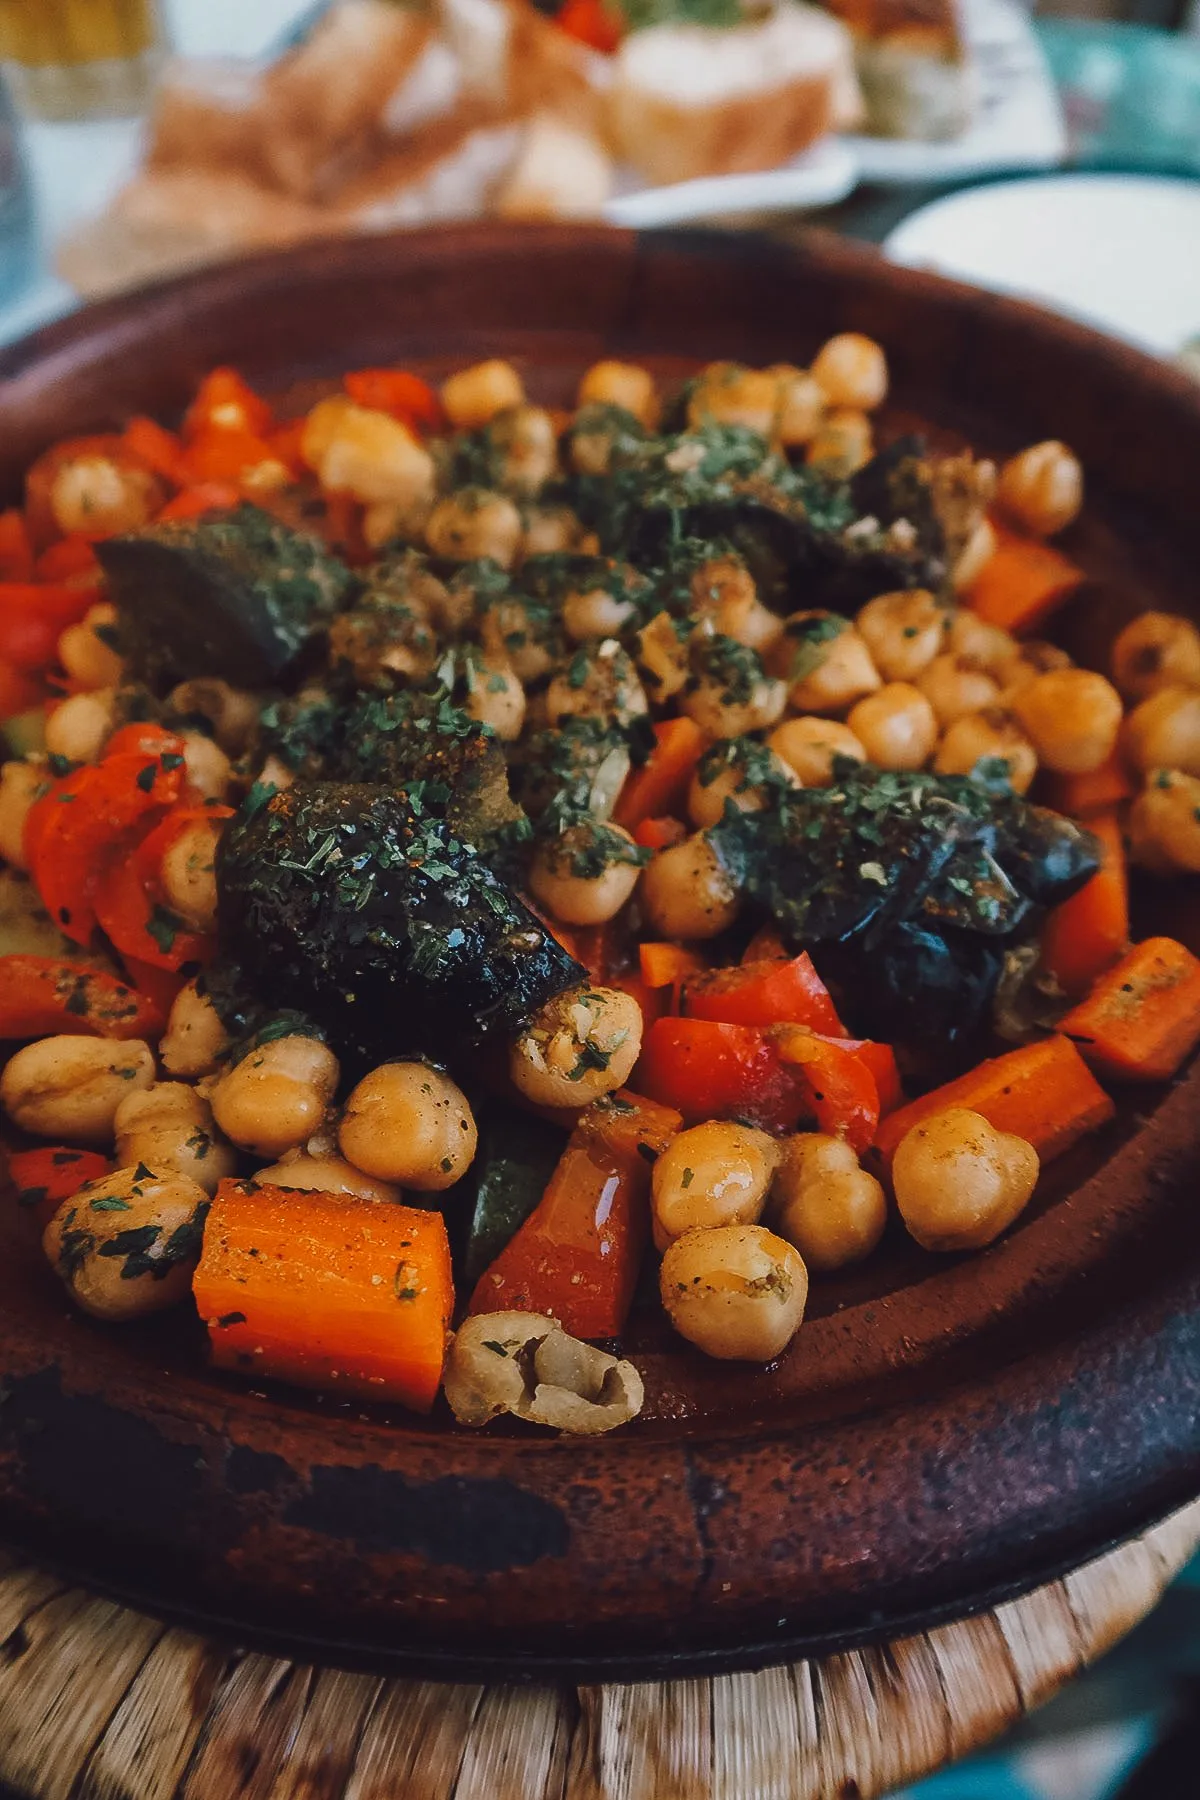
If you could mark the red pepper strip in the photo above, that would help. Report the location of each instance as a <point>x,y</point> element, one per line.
<point>577,1255</point>
<point>653,1001</point>
<point>765,993</point>
<point>16,547</point>
<point>592,22</point>
<point>71,560</point>
<point>881,1060</point>
<point>709,1070</point>
<point>226,401</point>
<point>129,902</point>
<point>660,785</point>
<point>145,737</point>
<point>158,988</point>
<point>845,1098</point>
<point>160,449</point>
<point>226,456</point>
<point>42,995</point>
<point>33,618</point>
<point>286,442</point>
<point>659,834</point>
<point>46,1177</point>
<point>193,502</point>
<point>85,817</point>
<point>19,693</point>
<point>406,397</point>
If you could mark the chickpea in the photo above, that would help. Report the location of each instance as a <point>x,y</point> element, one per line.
<point>974,557</point>
<point>1164,823</point>
<point>600,681</point>
<point>21,783</point>
<point>728,394</point>
<point>1072,717</point>
<point>686,892</point>
<point>844,443</point>
<point>832,1210</point>
<point>723,591</point>
<point>989,647</point>
<point>368,455</point>
<point>188,879</point>
<point>326,1174</point>
<point>475,523</point>
<point>903,632</point>
<point>528,445</point>
<point>601,610</point>
<point>1032,658</point>
<point>896,727</point>
<point>209,770</point>
<point>71,1087</point>
<point>722,777</point>
<point>585,876</point>
<point>79,728</point>
<point>277,1095</point>
<point>987,735</point>
<point>169,1127</point>
<point>736,1292</point>
<point>728,694</point>
<point>92,495</point>
<point>1164,732</point>
<point>406,1122</point>
<point>386,521</point>
<point>127,1244</point>
<point>801,405</point>
<point>1041,488</point>
<point>955,685</point>
<point>825,661</point>
<point>86,650</point>
<point>495,697</point>
<point>715,1174</point>
<point>577,1047</point>
<point>959,1182</point>
<point>810,746</point>
<point>625,385</point>
<point>851,370</point>
<point>474,396</point>
<point>524,631</point>
<point>195,1039</point>
<point>662,655</point>
<point>1156,650</point>
<point>229,713</point>
<point>550,530</point>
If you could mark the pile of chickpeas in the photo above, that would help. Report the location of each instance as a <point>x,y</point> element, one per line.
<point>913,681</point>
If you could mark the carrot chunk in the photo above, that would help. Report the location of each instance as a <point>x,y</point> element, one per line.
<point>1043,1092</point>
<point>1086,934</point>
<point>1142,1018</point>
<point>1081,796</point>
<point>1022,583</point>
<point>327,1290</point>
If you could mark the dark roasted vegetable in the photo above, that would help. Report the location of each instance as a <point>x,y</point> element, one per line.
<point>517,1156</point>
<point>914,884</point>
<point>235,595</point>
<point>361,907</point>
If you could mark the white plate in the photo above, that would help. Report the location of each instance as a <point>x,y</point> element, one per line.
<point>1121,252</point>
<point>821,177</point>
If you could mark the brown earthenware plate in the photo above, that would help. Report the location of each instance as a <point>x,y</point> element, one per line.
<point>943,1431</point>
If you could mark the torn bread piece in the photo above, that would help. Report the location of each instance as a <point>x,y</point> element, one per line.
<point>918,78</point>
<point>451,171</point>
<point>688,100</point>
<point>562,172</point>
<point>324,102</point>
<point>208,115</point>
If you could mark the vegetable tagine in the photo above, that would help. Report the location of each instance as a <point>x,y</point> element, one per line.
<point>475,866</point>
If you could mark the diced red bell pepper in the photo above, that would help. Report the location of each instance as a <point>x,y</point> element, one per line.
<point>71,561</point>
<point>218,455</point>
<point>592,22</point>
<point>406,397</point>
<point>45,1177</point>
<point>845,1098</point>
<point>205,497</point>
<point>72,829</point>
<point>129,900</point>
<point>161,450</point>
<point>709,1070</point>
<point>659,834</point>
<point>660,785</point>
<point>158,987</point>
<point>765,993</point>
<point>653,1001</point>
<point>228,403</point>
<point>286,443</point>
<point>577,1255</point>
<point>33,618</point>
<point>19,692</point>
<point>43,995</point>
<point>16,547</point>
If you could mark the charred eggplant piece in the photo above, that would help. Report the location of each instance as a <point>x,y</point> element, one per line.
<point>235,595</point>
<point>354,904</point>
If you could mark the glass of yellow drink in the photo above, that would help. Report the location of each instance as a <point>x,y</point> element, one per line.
<point>81,59</point>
